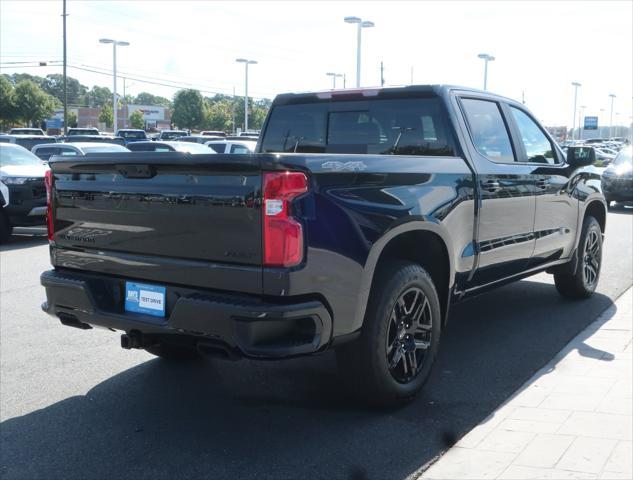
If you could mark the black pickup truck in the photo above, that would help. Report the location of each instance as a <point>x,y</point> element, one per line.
<point>362,217</point>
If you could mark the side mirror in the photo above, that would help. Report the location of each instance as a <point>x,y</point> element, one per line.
<point>581,156</point>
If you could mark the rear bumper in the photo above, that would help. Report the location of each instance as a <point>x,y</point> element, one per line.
<point>249,326</point>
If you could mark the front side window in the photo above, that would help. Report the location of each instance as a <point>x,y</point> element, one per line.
<point>382,127</point>
<point>488,130</point>
<point>537,146</point>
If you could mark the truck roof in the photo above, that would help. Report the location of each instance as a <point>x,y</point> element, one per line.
<point>373,92</point>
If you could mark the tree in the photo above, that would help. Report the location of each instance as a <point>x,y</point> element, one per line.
<point>54,85</point>
<point>189,109</point>
<point>137,120</point>
<point>72,120</point>
<point>145,98</point>
<point>98,96</point>
<point>7,101</point>
<point>220,115</point>
<point>32,103</point>
<point>106,115</point>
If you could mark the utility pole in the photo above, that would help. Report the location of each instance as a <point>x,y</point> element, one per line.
<point>411,75</point>
<point>573,128</point>
<point>233,111</point>
<point>611,116</point>
<point>382,74</point>
<point>64,15</point>
<point>125,103</point>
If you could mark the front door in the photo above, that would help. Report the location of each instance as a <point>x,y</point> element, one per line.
<point>556,217</point>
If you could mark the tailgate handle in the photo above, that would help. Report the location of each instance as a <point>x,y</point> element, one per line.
<point>136,171</point>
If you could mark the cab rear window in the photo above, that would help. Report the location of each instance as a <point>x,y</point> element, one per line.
<point>382,127</point>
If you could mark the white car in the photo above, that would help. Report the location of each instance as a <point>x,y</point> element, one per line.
<point>46,151</point>
<point>22,189</point>
<point>231,146</point>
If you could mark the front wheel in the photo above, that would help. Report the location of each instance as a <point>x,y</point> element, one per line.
<point>392,359</point>
<point>584,281</point>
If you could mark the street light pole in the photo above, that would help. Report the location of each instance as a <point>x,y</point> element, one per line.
<point>360,24</point>
<point>246,64</point>
<point>486,58</point>
<point>573,128</point>
<point>611,116</point>
<point>581,115</point>
<point>334,77</point>
<point>65,81</point>
<point>114,43</point>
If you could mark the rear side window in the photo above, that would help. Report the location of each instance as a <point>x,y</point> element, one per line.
<point>218,147</point>
<point>46,153</point>
<point>239,149</point>
<point>397,127</point>
<point>488,130</point>
<point>537,146</point>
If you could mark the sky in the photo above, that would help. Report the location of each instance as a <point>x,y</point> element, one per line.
<point>540,47</point>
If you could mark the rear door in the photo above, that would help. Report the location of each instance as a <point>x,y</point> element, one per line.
<point>505,232</point>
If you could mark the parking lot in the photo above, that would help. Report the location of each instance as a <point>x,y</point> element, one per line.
<point>74,405</point>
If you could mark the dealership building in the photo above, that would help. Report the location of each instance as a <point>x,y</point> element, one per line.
<point>155,117</point>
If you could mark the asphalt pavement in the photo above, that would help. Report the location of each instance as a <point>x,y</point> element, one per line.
<point>73,404</point>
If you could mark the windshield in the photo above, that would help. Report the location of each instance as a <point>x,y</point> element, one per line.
<point>170,135</point>
<point>135,134</point>
<point>16,155</point>
<point>27,131</point>
<point>384,127</point>
<point>104,148</point>
<point>192,148</point>
<point>624,158</point>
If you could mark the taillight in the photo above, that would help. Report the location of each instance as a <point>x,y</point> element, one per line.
<point>48,182</point>
<point>283,235</point>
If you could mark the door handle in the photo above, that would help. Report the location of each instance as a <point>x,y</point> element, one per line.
<point>542,183</point>
<point>491,186</point>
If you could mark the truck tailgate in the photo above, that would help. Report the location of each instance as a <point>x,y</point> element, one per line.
<point>177,210</point>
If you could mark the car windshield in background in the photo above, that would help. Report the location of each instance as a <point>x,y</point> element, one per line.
<point>88,131</point>
<point>134,135</point>
<point>624,157</point>
<point>104,148</point>
<point>171,135</point>
<point>396,127</point>
<point>16,155</point>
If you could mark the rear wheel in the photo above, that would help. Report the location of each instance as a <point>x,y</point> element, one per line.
<point>392,359</point>
<point>584,281</point>
<point>168,351</point>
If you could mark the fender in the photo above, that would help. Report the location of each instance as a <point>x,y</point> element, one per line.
<point>419,224</point>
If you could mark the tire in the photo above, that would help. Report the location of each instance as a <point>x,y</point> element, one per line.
<point>5,228</point>
<point>175,353</point>
<point>389,364</point>
<point>583,283</point>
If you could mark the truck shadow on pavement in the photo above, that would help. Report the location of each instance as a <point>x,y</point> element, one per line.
<point>291,420</point>
<point>25,238</point>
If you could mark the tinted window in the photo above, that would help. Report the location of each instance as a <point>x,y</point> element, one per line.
<point>105,149</point>
<point>46,153</point>
<point>537,146</point>
<point>218,147</point>
<point>401,127</point>
<point>488,130</point>
<point>135,135</point>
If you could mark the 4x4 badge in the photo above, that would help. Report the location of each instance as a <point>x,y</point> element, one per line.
<point>347,166</point>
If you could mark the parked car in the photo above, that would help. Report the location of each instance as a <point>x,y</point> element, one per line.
<point>172,134</point>
<point>199,138</point>
<point>231,146</point>
<point>83,131</point>
<point>130,135</point>
<point>27,131</point>
<point>363,216</point>
<point>27,141</point>
<point>94,138</point>
<point>158,146</point>
<point>241,139</point>
<point>213,133</point>
<point>22,190</point>
<point>46,151</point>
<point>617,179</point>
